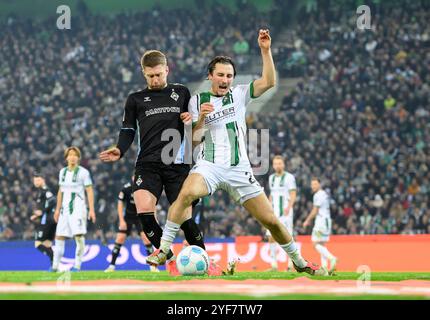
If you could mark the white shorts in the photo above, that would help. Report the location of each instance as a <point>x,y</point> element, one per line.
<point>287,221</point>
<point>70,225</point>
<point>238,181</point>
<point>322,230</point>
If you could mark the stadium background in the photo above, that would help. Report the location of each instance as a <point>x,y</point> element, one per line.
<point>350,106</point>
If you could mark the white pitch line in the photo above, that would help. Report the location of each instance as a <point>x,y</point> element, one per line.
<point>249,289</point>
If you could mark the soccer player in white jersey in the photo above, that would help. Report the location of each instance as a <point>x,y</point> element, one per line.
<point>71,213</point>
<point>322,227</point>
<point>283,193</point>
<point>222,163</point>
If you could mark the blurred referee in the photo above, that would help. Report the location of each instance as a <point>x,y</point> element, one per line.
<point>43,216</point>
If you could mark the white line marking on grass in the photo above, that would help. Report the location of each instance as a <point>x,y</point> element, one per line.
<point>257,290</point>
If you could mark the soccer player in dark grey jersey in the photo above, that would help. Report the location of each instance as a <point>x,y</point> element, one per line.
<point>127,217</point>
<point>160,106</point>
<point>44,216</point>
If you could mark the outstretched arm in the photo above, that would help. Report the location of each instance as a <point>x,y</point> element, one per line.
<point>126,135</point>
<point>268,76</point>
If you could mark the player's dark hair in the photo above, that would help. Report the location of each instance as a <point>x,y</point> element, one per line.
<point>153,58</point>
<point>316,179</point>
<point>222,60</point>
<point>37,174</point>
<point>73,148</point>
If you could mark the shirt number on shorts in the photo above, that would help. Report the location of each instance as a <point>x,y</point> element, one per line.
<point>251,177</point>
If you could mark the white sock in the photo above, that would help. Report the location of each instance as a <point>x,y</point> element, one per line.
<point>290,263</point>
<point>323,261</point>
<point>79,252</point>
<point>169,234</point>
<point>324,252</point>
<point>273,249</point>
<point>58,253</point>
<point>293,252</point>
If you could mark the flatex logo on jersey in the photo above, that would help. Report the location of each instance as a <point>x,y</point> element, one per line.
<point>220,116</point>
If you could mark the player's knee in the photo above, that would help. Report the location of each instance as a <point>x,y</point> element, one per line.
<point>80,244</point>
<point>271,223</point>
<point>145,208</point>
<point>144,239</point>
<point>318,244</point>
<point>120,238</point>
<point>47,243</point>
<point>186,198</point>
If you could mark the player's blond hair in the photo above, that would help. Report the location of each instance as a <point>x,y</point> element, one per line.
<point>278,157</point>
<point>72,148</point>
<point>153,58</point>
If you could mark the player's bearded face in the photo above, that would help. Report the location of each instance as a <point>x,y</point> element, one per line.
<point>156,77</point>
<point>222,78</point>
<point>278,165</point>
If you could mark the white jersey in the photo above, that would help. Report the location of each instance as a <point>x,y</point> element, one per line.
<point>225,136</point>
<point>72,186</point>
<point>322,202</point>
<point>280,187</point>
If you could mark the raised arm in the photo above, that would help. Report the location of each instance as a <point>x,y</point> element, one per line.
<point>268,76</point>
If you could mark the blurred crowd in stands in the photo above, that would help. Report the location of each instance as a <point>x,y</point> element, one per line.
<point>358,117</point>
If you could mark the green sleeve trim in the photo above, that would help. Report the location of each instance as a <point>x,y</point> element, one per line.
<point>194,124</point>
<point>90,185</point>
<point>251,90</point>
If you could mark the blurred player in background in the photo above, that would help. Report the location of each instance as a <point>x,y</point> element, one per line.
<point>100,226</point>
<point>44,217</point>
<point>322,227</point>
<point>71,212</point>
<point>127,216</point>
<point>222,163</point>
<point>151,112</point>
<point>283,192</point>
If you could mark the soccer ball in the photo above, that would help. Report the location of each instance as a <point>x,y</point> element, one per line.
<point>192,260</point>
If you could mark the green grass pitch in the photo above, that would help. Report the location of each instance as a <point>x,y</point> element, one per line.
<point>30,277</point>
